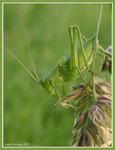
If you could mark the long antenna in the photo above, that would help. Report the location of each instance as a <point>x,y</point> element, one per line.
<point>25,68</point>
<point>33,65</point>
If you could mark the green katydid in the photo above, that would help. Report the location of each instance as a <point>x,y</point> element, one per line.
<point>81,55</point>
<point>68,68</point>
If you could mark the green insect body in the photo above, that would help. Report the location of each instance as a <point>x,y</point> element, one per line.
<point>65,71</point>
<point>67,67</point>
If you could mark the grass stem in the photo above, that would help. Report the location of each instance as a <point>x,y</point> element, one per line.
<point>95,50</point>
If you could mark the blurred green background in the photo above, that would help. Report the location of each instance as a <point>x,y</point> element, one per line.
<point>30,114</point>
